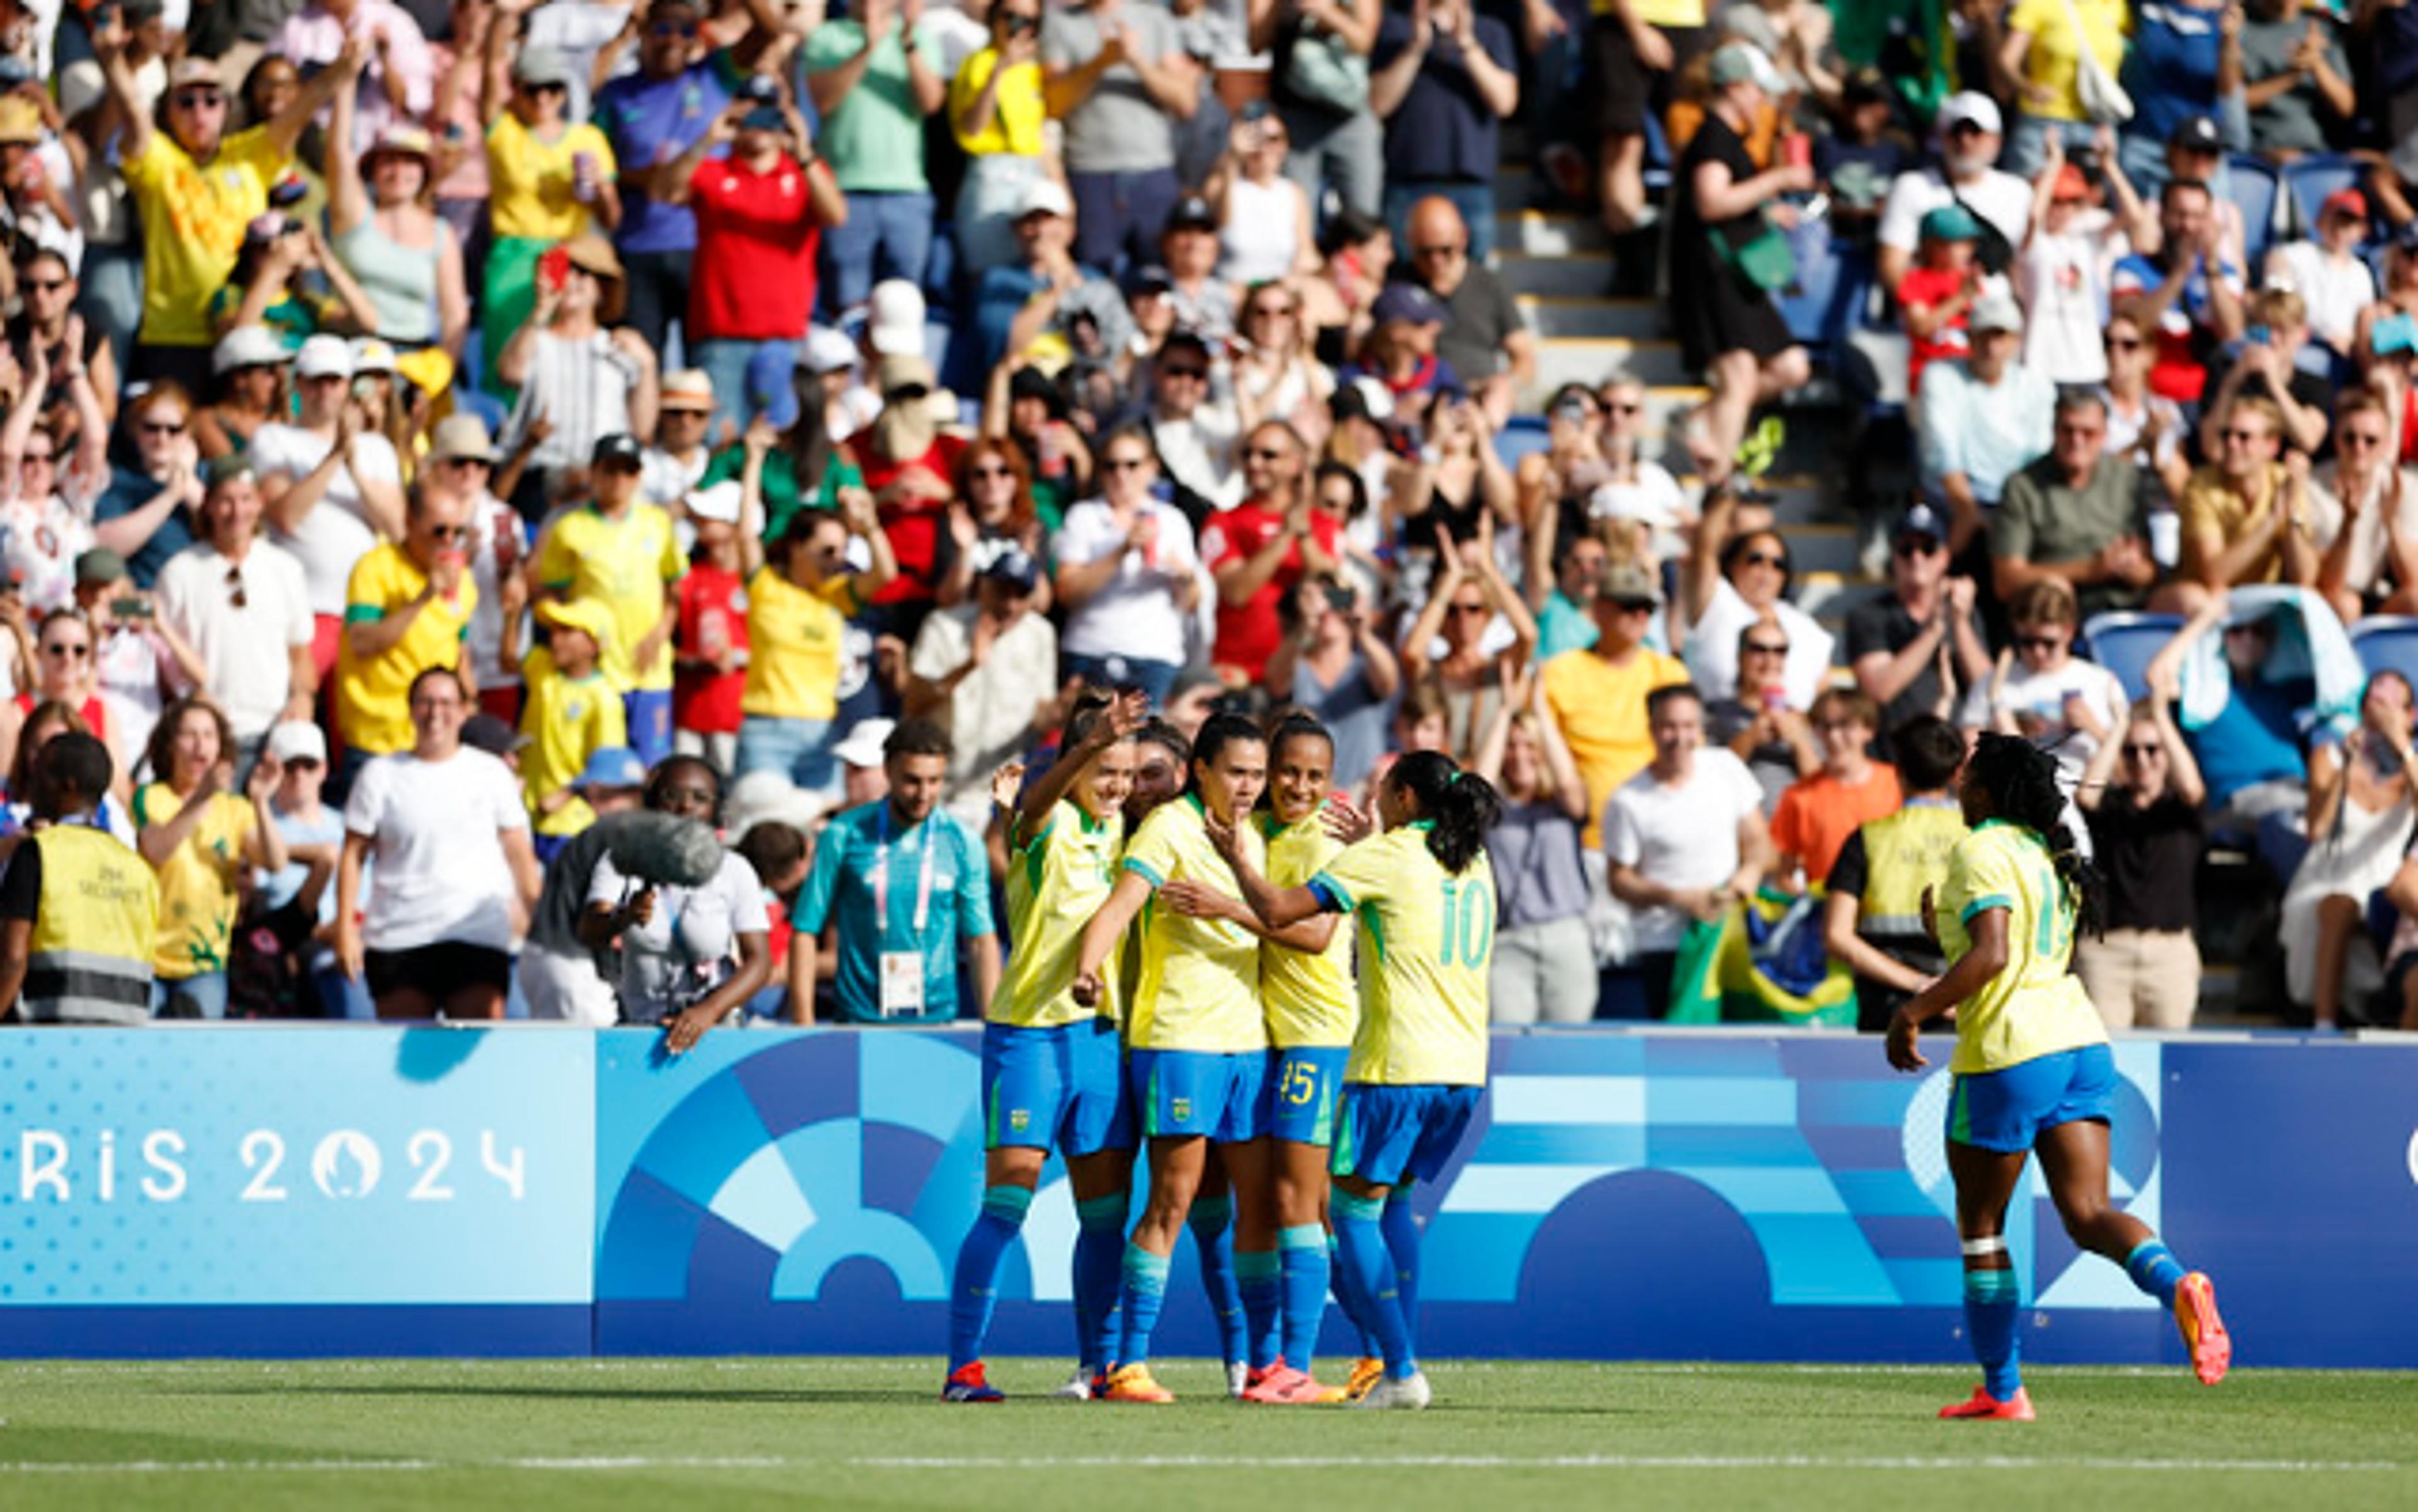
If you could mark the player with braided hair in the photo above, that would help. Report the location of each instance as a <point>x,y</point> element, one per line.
<point>2032,1069</point>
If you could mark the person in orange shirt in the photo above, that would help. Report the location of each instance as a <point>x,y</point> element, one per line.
<point>1817,814</point>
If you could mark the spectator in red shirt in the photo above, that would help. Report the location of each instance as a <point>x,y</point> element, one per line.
<point>1261,548</point>
<point>908,465</point>
<point>1937,293</point>
<point>710,675</point>
<point>760,214</point>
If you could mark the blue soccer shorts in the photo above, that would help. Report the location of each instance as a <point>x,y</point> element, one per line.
<point>2006,1111</point>
<point>1305,1084</point>
<point>1183,1093</point>
<point>1387,1135</point>
<point>1060,1087</point>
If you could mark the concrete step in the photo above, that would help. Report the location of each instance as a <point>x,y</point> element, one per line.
<point>1796,498</point>
<point>1552,315</point>
<point>1548,234</point>
<point>1591,360</point>
<point>1587,274</point>
<point>1821,547</point>
<point>1831,596</point>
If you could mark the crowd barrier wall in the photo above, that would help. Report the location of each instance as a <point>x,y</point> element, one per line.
<point>322,1191</point>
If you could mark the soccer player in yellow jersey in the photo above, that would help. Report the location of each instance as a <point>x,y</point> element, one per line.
<point>1423,895</point>
<point>1199,1043</point>
<point>2032,1069</point>
<point>1053,1069</point>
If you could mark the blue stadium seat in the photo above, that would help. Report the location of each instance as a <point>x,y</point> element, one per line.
<point>2123,642</point>
<point>2387,643</point>
<point>2312,179</point>
<point>1834,280</point>
<point>2256,190</point>
<point>471,400</point>
<point>471,372</point>
<point>1524,435</point>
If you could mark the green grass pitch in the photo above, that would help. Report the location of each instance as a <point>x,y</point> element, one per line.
<point>711,1434</point>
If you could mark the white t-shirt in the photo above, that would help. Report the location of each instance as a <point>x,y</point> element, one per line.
<point>336,533</point>
<point>38,546</point>
<point>1683,836</point>
<point>990,713</point>
<point>1712,647</point>
<point>2000,198</point>
<point>2371,536</point>
<point>2063,283</point>
<point>2036,699</point>
<point>1134,614</point>
<point>434,828</point>
<point>689,945</point>
<point>243,647</point>
<point>2334,290</point>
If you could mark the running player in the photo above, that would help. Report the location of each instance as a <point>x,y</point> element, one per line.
<point>1305,985</point>
<point>2032,1069</point>
<point>1423,893</point>
<point>1054,1070</point>
<point>1199,1047</point>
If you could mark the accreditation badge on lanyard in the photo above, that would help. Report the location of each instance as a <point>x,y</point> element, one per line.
<point>902,970</point>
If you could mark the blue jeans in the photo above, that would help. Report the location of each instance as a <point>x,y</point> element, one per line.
<point>341,997</point>
<point>798,749</point>
<point>886,236</point>
<point>1345,151</point>
<point>1118,216</point>
<point>1152,677</point>
<point>203,994</point>
<point>750,378</point>
<point>2028,147</point>
<point>112,300</point>
<point>1475,202</point>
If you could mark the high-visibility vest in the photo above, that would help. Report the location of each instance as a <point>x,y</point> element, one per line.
<point>1904,853</point>
<point>89,961</point>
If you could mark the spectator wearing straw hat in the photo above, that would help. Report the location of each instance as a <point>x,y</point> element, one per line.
<point>675,464</point>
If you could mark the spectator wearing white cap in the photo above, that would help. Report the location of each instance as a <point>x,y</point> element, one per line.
<point>1118,78</point>
<point>873,77</point>
<point>249,365</point>
<point>710,648</point>
<point>243,605</point>
<point>675,462</point>
<point>333,486</point>
<point>762,213</point>
<point>864,778</point>
<point>986,671</point>
<point>300,896</point>
<point>1044,307</point>
<point>997,113</point>
<point>1980,420</point>
<point>1970,133</point>
<point>832,370</point>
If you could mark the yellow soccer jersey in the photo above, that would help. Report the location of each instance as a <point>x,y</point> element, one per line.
<point>1199,985</point>
<point>1426,938</point>
<point>373,696</point>
<point>626,564</point>
<point>1054,886</point>
<point>794,644</point>
<point>2036,1006</point>
<point>567,719</point>
<point>1309,996</point>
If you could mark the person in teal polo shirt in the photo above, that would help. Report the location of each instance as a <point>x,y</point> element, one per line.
<point>901,885</point>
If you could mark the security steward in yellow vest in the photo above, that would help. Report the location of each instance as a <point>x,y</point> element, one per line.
<point>1872,919</point>
<point>79,908</point>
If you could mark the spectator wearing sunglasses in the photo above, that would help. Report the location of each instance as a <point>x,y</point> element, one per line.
<point>1734,578</point>
<point>1916,649</point>
<point>2141,795</point>
<point>406,610</point>
<point>2041,691</point>
<point>652,116</point>
<point>1485,339</point>
<point>242,606</point>
<point>553,180</point>
<point>2364,507</point>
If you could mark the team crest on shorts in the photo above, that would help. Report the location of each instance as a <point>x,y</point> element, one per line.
<point>1018,1120</point>
<point>1181,1110</point>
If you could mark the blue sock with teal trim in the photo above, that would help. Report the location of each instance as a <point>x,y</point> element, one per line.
<point>1349,1300</point>
<point>976,1287</point>
<point>1211,1222</point>
<point>1991,1300</point>
<point>1301,1252</point>
<point>1369,1265</point>
<point>1403,1239</point>
<point>1099,1254</point>
<point>1144,1288</point>
<point>1257,1274</point>
<point>2154,1269</point>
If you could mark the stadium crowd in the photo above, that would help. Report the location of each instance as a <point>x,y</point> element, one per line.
<point>433,430</point>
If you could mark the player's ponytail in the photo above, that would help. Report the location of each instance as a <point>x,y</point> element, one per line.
<point>1459,806</point>
<point>2021,781</point>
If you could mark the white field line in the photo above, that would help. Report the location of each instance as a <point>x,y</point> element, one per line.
<point>910,1366</point>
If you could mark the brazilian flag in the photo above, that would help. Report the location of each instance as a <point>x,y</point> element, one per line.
<point>1761,963</point>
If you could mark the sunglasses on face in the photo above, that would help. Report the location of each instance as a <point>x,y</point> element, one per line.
<point>663,30</point>
<point>2238,433</point>
<point>1125,464</point>
<point>1441,248</point>
<point>1273,311</point>
<point>448,532</point>
<point>1764,558</point>
<point>993,471</point>
<point>2124,343</point>
<point>305,764</point>
<point>37,458</point>
<point>46,285</point>
<point>1264,453</point>
<point>1919,547</point>
<point>1765,648</point>
<point>73,653</point>
<point>1629,407</point>
<point>163,428</point>
<point>2145,752</point>
<point>197,98</point>
<point>549,89</point>
<point>1185,370</point>
<point>1469,608</point>
<point>2360,438</point>
<point>2039,643</point>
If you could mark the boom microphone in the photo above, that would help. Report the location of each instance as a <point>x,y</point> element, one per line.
<point>661,850</point>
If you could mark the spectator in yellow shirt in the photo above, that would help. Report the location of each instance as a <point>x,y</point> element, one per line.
<point>996,111</point>
<point>549,180</point>
<point>619,553</point>
<point>202,840</point>
<point>798,605</point>
<point>1596,695</point>
<point>406,609</point>
<point>572,713</point>
<point>196,187</point>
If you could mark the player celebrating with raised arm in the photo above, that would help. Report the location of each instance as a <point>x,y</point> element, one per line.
<point>1424,894</point>
<point>1199,1046</point>
<point>1053,1069</point>
<point>1307,991</point>
<point>2032,1068</point>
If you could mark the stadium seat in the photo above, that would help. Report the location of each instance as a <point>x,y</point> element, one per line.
<point>1525,434</point>
<point>1834,278</point>
<point>2387,643</point>
<point>2312,179</point>
<point>2123,642</point>
<point>2256,190</point>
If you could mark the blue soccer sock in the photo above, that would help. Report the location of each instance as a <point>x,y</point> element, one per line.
<point>1144,1290</point>
<point>1100,1253</point>
<point>1368,1264</point>
<point>1258,1275</point>
<point>975,1291</point>
<point>1349,1300</point>
<point>1302,1255</point>
<point>1211,1222</point>
<point>1402,1241</point>
<point>1991,1299</point>
<point>2154,1269</point>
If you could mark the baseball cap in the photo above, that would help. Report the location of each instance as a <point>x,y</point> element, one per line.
<point>593,253</point>
<point>826,351</point>
<point>2196,133</point>
<point>764,119</point>
<point>1995,311</point>
<point>1921,520</point>
<point>297,740</point>
<point>403,140</point>
<point>494,736</point>
<point>619,449</point>
<point>1629,583</point>
<point>1951,223</point>
<point>1015,566</point>
<point>2345,202</point>
<point>325,357</point>
<point>2070,185</point>
<point>370,355</point>
<point>1407,301</point>
<point>718,502</point>
<point>1363,398</point>
<point>612,766</point>
<point>760,89</point>
<point>459,436</point>
<point>1971,107</point>
<point>687,388</point>
<point>894,318</point>
<point>98,565</point>
<point>905,370</point>
<point>1615,502</point>
<point>192,71</point>
<point>590,615</point>
<point>1192,213</point>
<point>542,65</point>
<point>1148,279</point>
<point>227,469</point>
<point>1744,63</point>
<point>1045,196</point>
<point>865,738</point>
<point>247,346</point>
